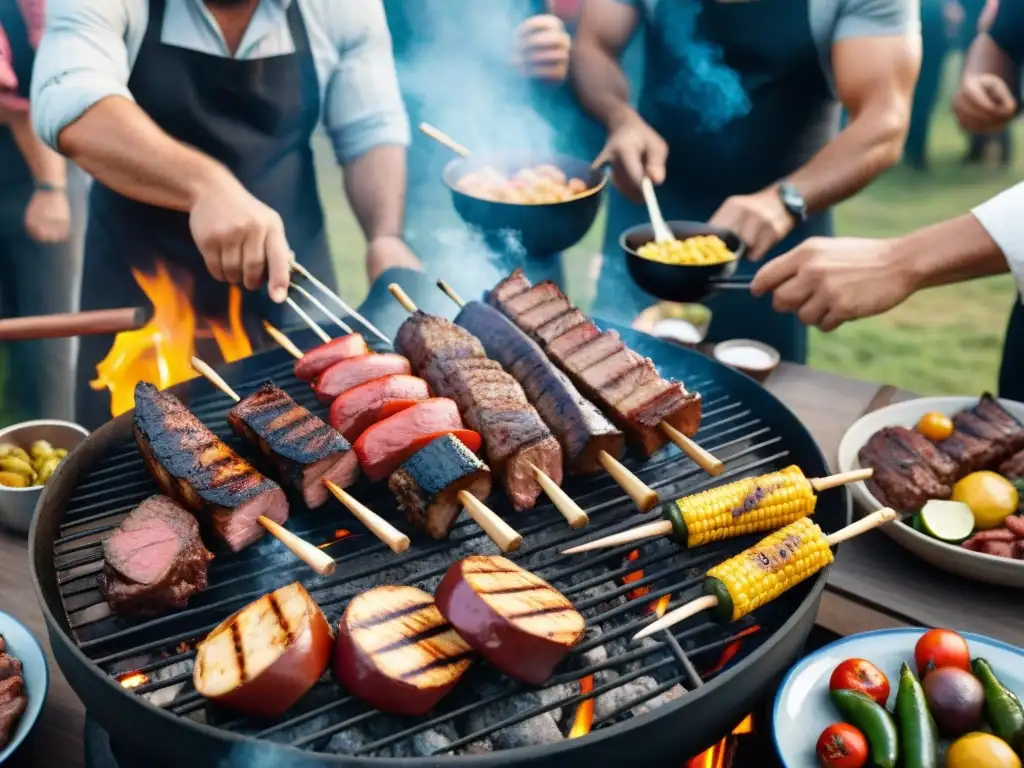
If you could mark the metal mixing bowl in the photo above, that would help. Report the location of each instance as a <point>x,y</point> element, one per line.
<point>18,504</point>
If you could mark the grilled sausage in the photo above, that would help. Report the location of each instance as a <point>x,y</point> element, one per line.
<point>354,371</point>
<point>396,652</point>
<point>354,411</point>
<point>515,619</point>
<point>195,467</point>
<point>319,359</point>
<point>267,656</point>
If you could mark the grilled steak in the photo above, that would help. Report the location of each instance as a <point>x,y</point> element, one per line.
<point>626,387</point>
<point>153,560</point>
<point>579,426</point>
<point>427,485</point>
<point>304,449</point>
<point>354,371</point>
<point>539,294</point>
<point>491,402</point>
<point>945,468</point>
<point>969,452</point>
<point>1013,467</point>
<point>195,467</point>
<point>991,411</point>
<point>901,480</point>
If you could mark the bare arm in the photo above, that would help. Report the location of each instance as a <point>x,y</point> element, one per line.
<point>375,185</point>
<point>605,28</point>
<point>875,79</point>
<point>46,165</point>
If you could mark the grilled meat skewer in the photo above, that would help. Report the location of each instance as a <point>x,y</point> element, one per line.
<point>319,359</point>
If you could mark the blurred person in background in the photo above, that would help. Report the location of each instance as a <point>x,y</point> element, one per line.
<point>194,117</point>
<point>41,222</point>
<point>830,281</point>
<point>997,138</point>
<point>940,25</point>
<point>737,124</point>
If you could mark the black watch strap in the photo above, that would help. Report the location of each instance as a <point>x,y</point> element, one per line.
<point>793,200</point>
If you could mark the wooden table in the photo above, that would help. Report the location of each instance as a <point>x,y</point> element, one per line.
<point>874,584</point>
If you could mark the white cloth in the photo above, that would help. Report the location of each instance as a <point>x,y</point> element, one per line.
<point>1003,219</point>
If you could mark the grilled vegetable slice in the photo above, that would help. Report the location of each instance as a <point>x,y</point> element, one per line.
<point>356,410</point>
<point>267,656</point>
<point>515,619</point>
<point>319,359</point>
<point>396,652</point>
<point>353,371</point>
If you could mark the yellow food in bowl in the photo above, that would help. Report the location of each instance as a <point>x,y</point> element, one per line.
<point>27,469</point>
<point>528,186</point>
<point>991,497</point>
<point>699,250</point>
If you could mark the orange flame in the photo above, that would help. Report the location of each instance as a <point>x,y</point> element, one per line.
<point>629,578</point>
<point>161,351</point>
<point>660,605</point>
<point>730,651</point>
<point>339,534</point>
<point>133,680</point>
<point>719,756</point>
<point>585,711</point>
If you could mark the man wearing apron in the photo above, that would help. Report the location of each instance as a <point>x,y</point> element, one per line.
<point>41,226</point>
<point>195,120</point>
<point>737,117</point>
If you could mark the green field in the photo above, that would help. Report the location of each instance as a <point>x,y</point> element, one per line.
<point>945,340</point>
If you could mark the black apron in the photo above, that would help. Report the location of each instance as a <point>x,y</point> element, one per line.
<point>1011,370</point>
<point>769,45</point>
<point>14,172</point>
<point>254,116</point>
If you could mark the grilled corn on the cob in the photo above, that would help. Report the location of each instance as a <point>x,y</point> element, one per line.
<point>761,573</point>
<point>746,506</point>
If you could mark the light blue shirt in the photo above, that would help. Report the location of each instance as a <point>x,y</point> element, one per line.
<point>90,47</point>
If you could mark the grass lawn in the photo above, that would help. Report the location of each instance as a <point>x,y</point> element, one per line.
<point>946,340</point>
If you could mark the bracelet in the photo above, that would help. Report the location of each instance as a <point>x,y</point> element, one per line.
<point>46,186</point>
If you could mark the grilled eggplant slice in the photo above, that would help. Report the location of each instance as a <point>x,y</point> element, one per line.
<point>267,656</point>
<point>513,618</point>
<point>396,652</point>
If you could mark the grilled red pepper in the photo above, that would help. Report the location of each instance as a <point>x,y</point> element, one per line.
<point>377,399</point>
<point>386,444</point>
<point>354,371</point>
<point>319,359</point>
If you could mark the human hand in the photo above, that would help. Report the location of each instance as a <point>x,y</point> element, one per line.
<point>634,150</point>
<point>240,238</point>
<point>389,252</point>
<point>48,216</point>
<point>542,48</point>
<point>983,103</point>
<point>760,220</point>
<point>829,281</point>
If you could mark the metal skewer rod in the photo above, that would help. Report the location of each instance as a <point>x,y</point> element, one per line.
<point>312,556</point>
<point>707,602</point>
<point>642,495</point>
<point>282,340</point>
<point>339,301</point>
<point>320,305</point>
<point>314,326</point>
<point>664,527</point>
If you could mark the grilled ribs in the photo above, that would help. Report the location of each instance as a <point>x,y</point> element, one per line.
<point>579,426</point>
<point>627,387</point>
<point>198,469</point>
<point>303,448</point>
<point>901,479</point>
<point>491,402</point>
<point>13,698</point>
<point>153,560</point>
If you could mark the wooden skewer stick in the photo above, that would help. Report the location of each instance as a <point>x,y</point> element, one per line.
<point>403,298</point>
<point>662,234</point>
<point>707,602</point>
<point>700,456</point>
<point>312,556</point>
<point>313,325</point>
<point>282,340</point>
<point>443,138</point>
<point>571,511</point>
<point>378,526</point>
<point>500,532</point>
<point>339,301</point>
<point>320,305</point>
<point>664,527</point>
<point>642,495</point>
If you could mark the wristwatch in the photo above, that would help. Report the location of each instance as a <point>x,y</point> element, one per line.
<point>793,201</point>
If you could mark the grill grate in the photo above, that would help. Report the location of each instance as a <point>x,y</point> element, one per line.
<point>161,647</point>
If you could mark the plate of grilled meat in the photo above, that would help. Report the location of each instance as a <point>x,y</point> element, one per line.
<point>24,679</point>
<point>954,468</point>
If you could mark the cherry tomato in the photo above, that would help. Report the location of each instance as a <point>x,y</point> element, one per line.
<point>842,746</point>
<point>935,426</point>
<point>939,648</point>
<point>863,676</point>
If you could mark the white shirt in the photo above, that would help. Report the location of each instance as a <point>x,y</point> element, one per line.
<point>1003,219</point>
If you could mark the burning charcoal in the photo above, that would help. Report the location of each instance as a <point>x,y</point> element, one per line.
<point>673,693</point>
<point>541,729</point>
<point>596,655</point>
<point>482,747</point>
<point>618,698</point>
<point>433,741</point>
<point>555,694</point>
<point>347,742</point>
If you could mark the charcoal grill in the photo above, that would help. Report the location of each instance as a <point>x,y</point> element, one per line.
<point>486,719</point>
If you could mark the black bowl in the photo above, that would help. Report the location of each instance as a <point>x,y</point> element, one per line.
<point>682,282</point>
<point>541,229</point>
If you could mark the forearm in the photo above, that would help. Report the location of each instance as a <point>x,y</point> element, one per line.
<point>871,143</point>
<point>985,57</point>
<point>46,166</point>
<point>375,185</point>
<point>949,252</point>
<point>120,146</point>
<point>600,83</point>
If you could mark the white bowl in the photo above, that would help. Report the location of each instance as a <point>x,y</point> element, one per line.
<point>725,352</point>
<point>803,708</point>
<point>949,557</point>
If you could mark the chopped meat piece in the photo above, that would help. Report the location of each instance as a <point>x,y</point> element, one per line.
<point>593,352</point>
<point>512,285</point>
<point>998,442</point>
<point>991,411</point>
<point>967,451</point>
<point>944,467</point>
<point>571,340</point>
<point>1013,467</point>
<point>1015,524</point>
<point>424,338</point>
<point>539,315</point>
<point>903,480</point>
<point>534,297</point>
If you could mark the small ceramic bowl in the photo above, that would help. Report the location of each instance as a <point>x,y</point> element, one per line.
<point>18,504</point>
<point>25,648</point>
<point>683,324</point>
<point>754,358</point>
